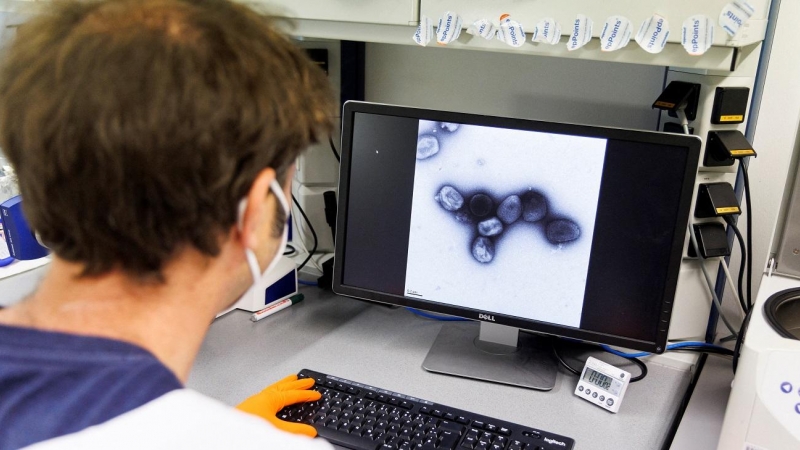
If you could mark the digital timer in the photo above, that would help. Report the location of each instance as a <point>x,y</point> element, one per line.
<point>602,384</point>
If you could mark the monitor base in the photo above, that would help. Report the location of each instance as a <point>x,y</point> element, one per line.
<point>458,351</point>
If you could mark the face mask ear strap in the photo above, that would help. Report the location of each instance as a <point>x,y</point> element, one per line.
<point>252,262</point>
<point>277,190</point>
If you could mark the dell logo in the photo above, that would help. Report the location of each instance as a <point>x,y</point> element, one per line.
<point>486,317</point>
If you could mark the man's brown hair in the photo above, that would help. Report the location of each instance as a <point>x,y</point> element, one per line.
<point>135,126</point>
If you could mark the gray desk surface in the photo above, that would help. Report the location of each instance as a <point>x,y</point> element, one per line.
<point>385,348</point>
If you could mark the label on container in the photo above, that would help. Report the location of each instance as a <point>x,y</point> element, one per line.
<point>547,31</point>
<point>483,28</point>
<point>448,29</point>
<point>697,35</point>
<point>653,34</point>
<point>734,15</point>
<point>616,33</point>
<point>4,253</point>
<point>511,32</point>
<point>581,32</point>
<point>424,31</point>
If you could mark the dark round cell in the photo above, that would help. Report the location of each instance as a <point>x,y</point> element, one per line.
<point>450,198</point>
<point>510,209</point>
<point>534,207</point>
<point>483,249</point>
<point>559,231</point>
<point>481,205</point>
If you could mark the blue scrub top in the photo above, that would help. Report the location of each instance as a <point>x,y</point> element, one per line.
<point>52,384</point>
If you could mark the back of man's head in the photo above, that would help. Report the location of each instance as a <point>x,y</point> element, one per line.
<point>135,126</point>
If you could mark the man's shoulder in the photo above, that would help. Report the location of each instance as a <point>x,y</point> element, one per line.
<point>182,419</point>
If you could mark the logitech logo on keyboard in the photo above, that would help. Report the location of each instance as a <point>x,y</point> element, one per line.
<point>486,317</point>
<point>553,441</point>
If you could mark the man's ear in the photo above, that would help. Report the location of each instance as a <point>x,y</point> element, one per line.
<point>254,210</point>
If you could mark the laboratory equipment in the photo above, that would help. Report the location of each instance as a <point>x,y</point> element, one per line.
<point>603,384</point>
<point>359,416</point>
<point>21,240</point>
<point>559,229</point>
<point>763,411</point>
<point>278,283</point>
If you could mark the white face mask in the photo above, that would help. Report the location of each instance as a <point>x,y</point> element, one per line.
<point>252,261</point>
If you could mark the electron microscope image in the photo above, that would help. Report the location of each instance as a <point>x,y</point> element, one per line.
<point>489,218</point>
<point>503,219</point>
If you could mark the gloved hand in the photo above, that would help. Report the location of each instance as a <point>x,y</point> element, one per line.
<point>275,397</point>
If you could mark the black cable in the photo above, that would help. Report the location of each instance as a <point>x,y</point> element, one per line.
<point>742,299</point>
<point>746,179</point>
<point>637,361</point>
<point>642,367</point>
<point>700,349</point>
<point>290,250</point>
<point>564,363</point>
<point>313,233</point>
<point>333,149</point>
<point>740,340</point>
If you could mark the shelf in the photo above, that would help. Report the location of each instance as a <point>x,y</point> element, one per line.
<point>718,58</point>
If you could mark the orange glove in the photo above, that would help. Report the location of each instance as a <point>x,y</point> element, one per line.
<point>275,397</point>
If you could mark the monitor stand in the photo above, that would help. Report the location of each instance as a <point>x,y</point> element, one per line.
<point>492,352</point>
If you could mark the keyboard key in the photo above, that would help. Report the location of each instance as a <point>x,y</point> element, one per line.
<point>437,413</point>
<point>406,404</point>
<point>425,410</point>
<point>490,427</point>
<point>462,420</point>
<point>533,434</point>
<point>504,431</point>
<point>452,426</point>
<point>470,442</point>
<point>477,424</point>
<point>449,416</point>
<point>448,440</point>
<point>371,395</point>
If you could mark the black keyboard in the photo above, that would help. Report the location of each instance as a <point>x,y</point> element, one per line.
<point>358,416</point>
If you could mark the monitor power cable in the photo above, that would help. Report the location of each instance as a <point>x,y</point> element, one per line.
<point>746,179</point>
<point>574,371</point>
<point>742,266</point>
<point>333,149</point>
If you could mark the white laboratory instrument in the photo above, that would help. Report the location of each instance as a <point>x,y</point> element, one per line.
<point>602,384</point>
<point>278,283</point>
<point>763,411</point>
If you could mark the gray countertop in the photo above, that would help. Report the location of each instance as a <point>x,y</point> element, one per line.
<point>385,348</point>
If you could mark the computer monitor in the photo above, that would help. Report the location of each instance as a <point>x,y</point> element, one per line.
<point>564,230</point>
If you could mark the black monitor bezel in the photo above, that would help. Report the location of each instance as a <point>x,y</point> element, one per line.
<point>691,143</point>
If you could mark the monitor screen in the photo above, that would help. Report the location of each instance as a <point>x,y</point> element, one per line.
<point>561,229</point>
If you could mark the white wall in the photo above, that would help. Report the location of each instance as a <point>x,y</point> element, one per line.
<point>531,87</point>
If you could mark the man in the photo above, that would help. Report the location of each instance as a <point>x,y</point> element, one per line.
<point>154,142</point>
